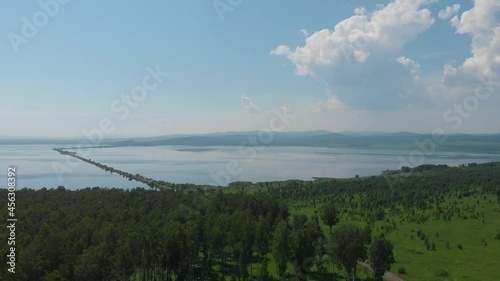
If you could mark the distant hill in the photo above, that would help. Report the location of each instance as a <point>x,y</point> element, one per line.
<point>320,138</point>
<point>380,140</point>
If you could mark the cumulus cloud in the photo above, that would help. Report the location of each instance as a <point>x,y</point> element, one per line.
<point>283,109</point>
<point>449,11</point>
<point>356,59</point>
<point>249,104</point>
<point>482,24</point>
<point>304,32</point>
<point>411,65</point>
<point>385,30</point>
<point>332,103</point>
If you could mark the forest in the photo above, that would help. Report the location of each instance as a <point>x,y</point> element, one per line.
<point>424,223</point>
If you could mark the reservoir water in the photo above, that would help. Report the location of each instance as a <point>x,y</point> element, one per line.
<point>39,166</point>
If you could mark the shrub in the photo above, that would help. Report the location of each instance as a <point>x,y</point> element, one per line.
<point>402,270</point>
<point>460,247</point>
<point>441,273</point>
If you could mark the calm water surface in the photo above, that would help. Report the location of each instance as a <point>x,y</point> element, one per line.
<point>39,166</point>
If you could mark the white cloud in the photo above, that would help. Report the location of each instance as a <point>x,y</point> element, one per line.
<point>304,32</point>
<point>385,30</point>
<point>449,11</point>
<point>356,58</point>
<point>249,104</point>
<point>332,103</point>
<point>281,50</point>
<point>284,109</point>
<point>412,66</point>
<point>482,24</point>
<point>449,70</point>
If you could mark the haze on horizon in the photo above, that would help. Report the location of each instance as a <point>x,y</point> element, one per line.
<point>198,67</point>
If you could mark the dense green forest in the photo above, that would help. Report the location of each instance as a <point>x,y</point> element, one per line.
<point>425,223</point>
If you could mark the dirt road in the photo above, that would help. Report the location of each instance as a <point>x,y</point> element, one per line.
<point>387,276</point>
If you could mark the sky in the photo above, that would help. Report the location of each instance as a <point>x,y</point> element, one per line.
<point>145,68</point>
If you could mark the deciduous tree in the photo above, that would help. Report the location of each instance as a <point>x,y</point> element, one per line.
<point>381,257</point>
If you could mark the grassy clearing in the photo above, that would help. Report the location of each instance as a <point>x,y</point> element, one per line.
<point>478,259</point>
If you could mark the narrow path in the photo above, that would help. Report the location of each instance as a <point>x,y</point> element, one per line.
<point>387,276</point>
<point>162,185</point>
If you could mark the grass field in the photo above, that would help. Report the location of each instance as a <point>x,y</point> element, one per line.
<point>478,259</point>
<point>480,249</point>
<point>474,225</point>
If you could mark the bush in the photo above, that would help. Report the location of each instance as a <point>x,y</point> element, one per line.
<point>263,273</point>
<point>441,273</point>
<point>402,270</point>
<point>460,247</point>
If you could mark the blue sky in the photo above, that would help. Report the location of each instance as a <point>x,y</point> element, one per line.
<point>403,65</point>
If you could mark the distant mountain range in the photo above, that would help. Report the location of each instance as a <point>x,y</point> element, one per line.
<point>360,140</point>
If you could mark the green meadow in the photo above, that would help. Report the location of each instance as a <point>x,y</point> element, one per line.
<point>461,224</point>
<point>477,260</point>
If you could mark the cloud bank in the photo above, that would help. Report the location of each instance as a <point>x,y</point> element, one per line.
<point>357,58</point>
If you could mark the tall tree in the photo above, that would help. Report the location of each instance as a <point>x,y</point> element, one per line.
<point>280,247</point>
<point>304,241</point>
<point>262,234</point>
<point>381,257</point>
<point>348,247</point>
<point>241,239</point>
<point>329,215</point>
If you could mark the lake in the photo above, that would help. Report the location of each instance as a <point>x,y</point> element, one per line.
<point>39,166</point>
